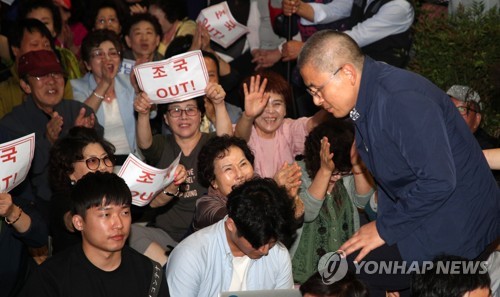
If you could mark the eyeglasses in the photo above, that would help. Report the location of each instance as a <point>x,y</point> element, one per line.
<point>100,54</point>
<point>342,173</point>
<point>464,110</point>
<point>318,90</point>
<point>46,77</point>
<point>93,163</point>
<point>109,21</point>
<point>177,112</point>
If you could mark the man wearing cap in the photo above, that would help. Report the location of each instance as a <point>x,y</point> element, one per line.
<point>28,35</point>
<point>44,112</point>
<point>469,105</point>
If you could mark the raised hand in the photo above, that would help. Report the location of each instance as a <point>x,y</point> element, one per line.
<point>326,158</point>
<point>289,176</point>
<point>85,121</point>
<point>54,127</point>
<point>255,96</point>
<point>215,93</point>
<point>142,103</point>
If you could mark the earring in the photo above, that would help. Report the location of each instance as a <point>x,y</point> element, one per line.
<point>73,182</point>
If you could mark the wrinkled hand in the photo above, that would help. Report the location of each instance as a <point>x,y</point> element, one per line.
<point>265,58</point>
<point>142,104</point>
<point>290,6</point>
<point>85,121</point>
<point>255,97</point>
<point>289,176</point>
<point>6,205</point>
<point>291,50</point>
<point>366,239</point>
<point>201,39</point>
<point>54,127</point>
<point>215,93</point>
<point>138,9</point>
<point>326,158</point>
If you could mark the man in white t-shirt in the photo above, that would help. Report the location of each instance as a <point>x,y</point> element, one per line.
<point>243,251</point>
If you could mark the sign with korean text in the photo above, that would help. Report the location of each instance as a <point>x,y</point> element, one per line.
<point>15,161</point>
<point>179,78</point>
<point>126,66</point>
<point>221,25</point>
<point>146,181</point>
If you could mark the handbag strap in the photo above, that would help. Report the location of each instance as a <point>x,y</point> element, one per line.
<point>154,288</point>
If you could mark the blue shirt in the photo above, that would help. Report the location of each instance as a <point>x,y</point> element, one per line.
<point>437,194</point>
<point>201,265</point>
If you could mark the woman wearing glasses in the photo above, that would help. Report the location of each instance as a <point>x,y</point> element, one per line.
<point>275,140</point>
<point>108,93</point>
<point>335,183</point>
<point>174,215</point>
<point>78,153</point>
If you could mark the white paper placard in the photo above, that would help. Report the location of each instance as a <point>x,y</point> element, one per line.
<point>221,25</point>
<point>15,161</point>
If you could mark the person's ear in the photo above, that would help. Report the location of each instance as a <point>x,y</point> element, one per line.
<point>128,41</point>
<point>15,51</point>
<point>477,120</point>
<point>231,226</point>
<point>25,86</point>
<point>157,40</point>
<point>166,119</point>
<point>78,222</point>
<point>87,66</point>
<point>350,72</point>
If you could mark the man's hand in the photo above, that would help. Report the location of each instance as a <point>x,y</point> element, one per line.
<point>291,50</point>
<point>290,6</point>
<point>366,239</point>
<point>85,121</point>
<point>54,127</point>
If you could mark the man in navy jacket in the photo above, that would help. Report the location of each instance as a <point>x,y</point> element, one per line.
<point>436,192</point>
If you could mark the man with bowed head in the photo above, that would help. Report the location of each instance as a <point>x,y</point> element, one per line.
<point>436,193</point>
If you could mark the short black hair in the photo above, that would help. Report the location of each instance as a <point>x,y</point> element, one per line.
<point>16,33</point>
<point>118,6</point>
<point>93,187</point>
<point>95,38</point>
<point>217,148</point>
<point>433,283</point>
<point>175,10</point>
<point>349,286</point>
<point>28,6</point>
<point>262,211</point>
<point>340,134</point>
<point>69,149</point>
<point>142,17</point>
<point>213,58</point>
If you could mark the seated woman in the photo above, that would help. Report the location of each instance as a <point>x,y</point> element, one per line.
<point>274,139</point>
<point>78,153</point>
<point>335,183</point>
<point>175,212</point>
<point>108,93</point>
<point>223,163</point>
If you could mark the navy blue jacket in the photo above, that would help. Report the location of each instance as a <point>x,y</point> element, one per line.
<point>437,194</point>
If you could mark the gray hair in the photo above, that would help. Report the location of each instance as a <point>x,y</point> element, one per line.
<point>329,49</point>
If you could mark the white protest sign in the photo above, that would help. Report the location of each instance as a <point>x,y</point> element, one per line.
<point>179,78</point>
<point>126,66</point>
<point>221,25</point>
<point>15,161</point>
<point>146,181</point>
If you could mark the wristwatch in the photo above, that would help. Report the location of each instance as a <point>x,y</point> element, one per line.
<point>171,194</point>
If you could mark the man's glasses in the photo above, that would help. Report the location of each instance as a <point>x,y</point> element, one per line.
<point>93,163</point>
<point>464,110</point>
<point>342,173</point>
<point>46,77</point>
<point>99,54</point>
<point>315,93</point>
<point>177,112</point>
<point>109,21</point>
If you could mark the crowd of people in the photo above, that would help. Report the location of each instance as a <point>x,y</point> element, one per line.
<point>304,144</point>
